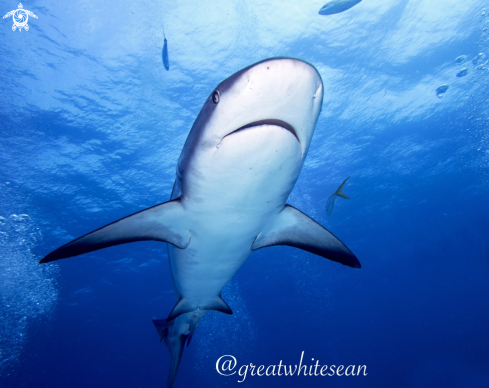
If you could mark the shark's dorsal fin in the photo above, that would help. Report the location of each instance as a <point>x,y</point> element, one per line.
<point>159,223</point>
<point>293,228</point>
<point>339,192</point>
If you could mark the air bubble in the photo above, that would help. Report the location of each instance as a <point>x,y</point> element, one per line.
<point>27,289</point>
<point>460,59</point>
<point>19,218</point>
<point>463,72</point>
<point>441,90</point>
<point>478,58</point>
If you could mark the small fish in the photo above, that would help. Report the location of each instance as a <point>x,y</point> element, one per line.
<point>332,197</point>
<point>164,54</point>
<point>441,90</point>
<point>337,6</point>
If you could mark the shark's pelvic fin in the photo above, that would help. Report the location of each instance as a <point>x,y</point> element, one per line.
<point>184,306</point>
<point>293,228</point>
<point>160,223</point>
<point>217,304</point>
<point>339,192</point>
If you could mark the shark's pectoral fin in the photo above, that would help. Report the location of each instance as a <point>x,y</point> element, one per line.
<point>159,223</point>
<point>293,228</point>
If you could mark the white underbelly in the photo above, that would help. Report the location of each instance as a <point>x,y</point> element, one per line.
<point>240,184</point>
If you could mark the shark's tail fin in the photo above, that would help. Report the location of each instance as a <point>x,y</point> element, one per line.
<point>175,342</point>
<point>339,192</point>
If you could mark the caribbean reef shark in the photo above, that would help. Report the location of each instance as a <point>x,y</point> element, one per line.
<point>237,168</point>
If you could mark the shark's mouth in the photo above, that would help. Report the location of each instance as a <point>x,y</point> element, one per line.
<point>274,122</point>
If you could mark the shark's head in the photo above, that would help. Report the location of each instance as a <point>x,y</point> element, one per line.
<point>285,92</point>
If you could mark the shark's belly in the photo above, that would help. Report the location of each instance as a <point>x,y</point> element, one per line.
<point>239,185</point>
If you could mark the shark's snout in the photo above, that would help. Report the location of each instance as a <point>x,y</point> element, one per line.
<point>282,92</point>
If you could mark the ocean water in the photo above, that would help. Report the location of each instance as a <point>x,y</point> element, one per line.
<point>91,127</point>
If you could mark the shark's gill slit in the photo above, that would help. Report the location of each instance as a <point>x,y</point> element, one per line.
<point>275,122</point>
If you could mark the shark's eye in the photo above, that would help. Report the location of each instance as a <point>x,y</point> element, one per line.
<point>215,96</point>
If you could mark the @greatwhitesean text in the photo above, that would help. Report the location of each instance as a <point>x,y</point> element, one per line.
<point>227,365</point>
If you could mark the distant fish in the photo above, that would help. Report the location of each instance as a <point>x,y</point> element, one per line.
<point>441,90</point>
<point>460,59</point>
<point>463,72</point>
<point>164,54</point>
<point>331,199</point>
<point>337,6</point>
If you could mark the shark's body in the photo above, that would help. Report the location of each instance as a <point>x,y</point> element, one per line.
<point>239,164</point>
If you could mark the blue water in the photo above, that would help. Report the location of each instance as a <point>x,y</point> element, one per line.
<point>91,126</point>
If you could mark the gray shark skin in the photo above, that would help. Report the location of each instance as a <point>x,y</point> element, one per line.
<point>237,168</point>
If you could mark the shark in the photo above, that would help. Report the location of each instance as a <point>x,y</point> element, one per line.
<point>238,166</point>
